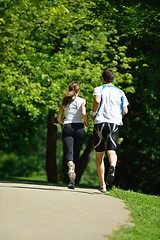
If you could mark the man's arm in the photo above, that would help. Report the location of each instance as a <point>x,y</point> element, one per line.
<point>95,105</point>
<point>124,110</point>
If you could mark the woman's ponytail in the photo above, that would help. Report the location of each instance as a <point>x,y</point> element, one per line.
<point>70,96</point>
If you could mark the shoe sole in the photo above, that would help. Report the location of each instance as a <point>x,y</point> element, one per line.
<point>103,191</point>
<point>70,187</point>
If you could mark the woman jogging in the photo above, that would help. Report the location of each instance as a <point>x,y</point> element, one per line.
<point>72,114</point>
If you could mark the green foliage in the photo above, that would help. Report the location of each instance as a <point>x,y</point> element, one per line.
<point>41,46</point>
<point>144,36</point>
<point>44,47</point>
<point>12,165</point>
<point>47,44</point>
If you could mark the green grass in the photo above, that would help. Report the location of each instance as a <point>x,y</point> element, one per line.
<point>145,216</point>
<point>33,178</point>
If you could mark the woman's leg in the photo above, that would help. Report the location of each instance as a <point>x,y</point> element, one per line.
<point>78,142</point>
<point>68,142</point>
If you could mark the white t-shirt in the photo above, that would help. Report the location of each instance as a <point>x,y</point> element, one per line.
<point>73,112</point>
<point>112,100</point>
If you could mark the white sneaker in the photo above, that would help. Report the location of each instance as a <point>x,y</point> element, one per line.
<point>103,189</point>
<point>71,171</point>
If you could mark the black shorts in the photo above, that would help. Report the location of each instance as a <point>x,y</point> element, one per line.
<point>105,136</point>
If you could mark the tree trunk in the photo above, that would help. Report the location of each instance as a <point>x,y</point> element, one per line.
<point>51,165</point>
<point>84,159</point>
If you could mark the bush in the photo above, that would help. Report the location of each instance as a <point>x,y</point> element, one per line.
<point>12,165</point>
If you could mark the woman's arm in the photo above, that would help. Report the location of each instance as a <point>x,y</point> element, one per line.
<point>59,115</point>
<point>84,114</point>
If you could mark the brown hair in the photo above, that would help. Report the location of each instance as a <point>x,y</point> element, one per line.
<point>73,89</point>
<point>108,75</point>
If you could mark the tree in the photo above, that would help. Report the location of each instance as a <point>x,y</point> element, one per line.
<point>46,47</point>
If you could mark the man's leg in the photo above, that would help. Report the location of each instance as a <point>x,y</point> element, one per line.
<point>100,168</point>
<point>112,158</point>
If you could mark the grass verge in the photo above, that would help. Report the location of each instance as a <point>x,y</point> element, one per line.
<point>145,214</point>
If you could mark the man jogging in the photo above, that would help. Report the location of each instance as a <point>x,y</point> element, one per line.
<point>109,106</point>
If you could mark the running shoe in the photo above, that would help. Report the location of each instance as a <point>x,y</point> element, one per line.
<point>71,185</point>
<point>110,177</point>
<point>103,189</point>
<point>71,171</point>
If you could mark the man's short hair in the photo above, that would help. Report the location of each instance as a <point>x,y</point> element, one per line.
<point>108,75</point>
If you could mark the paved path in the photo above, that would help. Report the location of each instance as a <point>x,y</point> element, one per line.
<point>43,212</point>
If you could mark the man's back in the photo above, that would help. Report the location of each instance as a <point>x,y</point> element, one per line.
<point>112,100</point>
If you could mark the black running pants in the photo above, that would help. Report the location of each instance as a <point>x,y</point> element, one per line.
<point>72,138</point>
